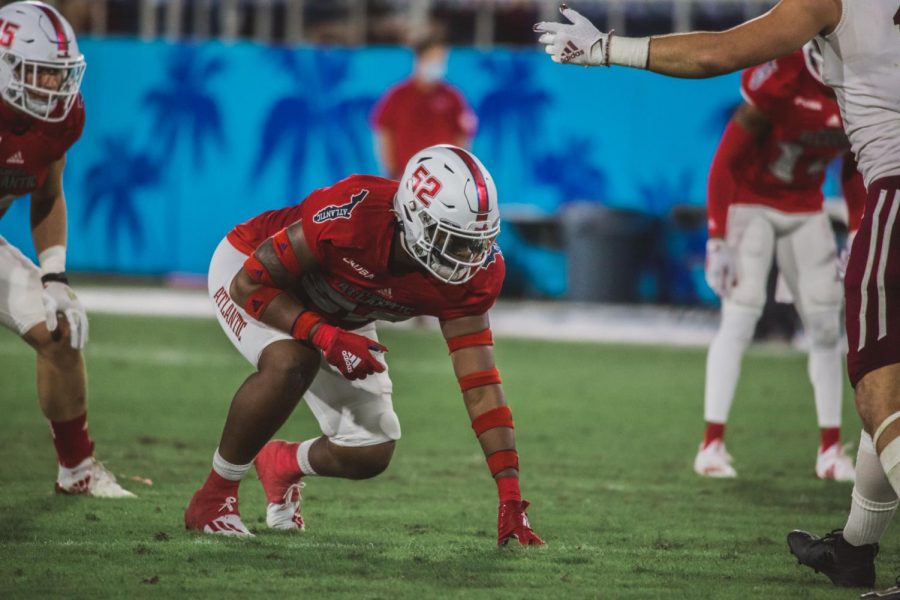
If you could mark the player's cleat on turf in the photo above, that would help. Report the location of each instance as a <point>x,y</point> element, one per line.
<point>216,515</point>
<point>891,593</point>
<point>90,478</point>
<point>282,485</point>
<point>844,564</point>
<point>512,523</point>
<point>714,461</point>
<point>834,464</point>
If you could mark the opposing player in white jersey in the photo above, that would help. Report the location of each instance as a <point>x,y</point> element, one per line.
<point>860,42</point>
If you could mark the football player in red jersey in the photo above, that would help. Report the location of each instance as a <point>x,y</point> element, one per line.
<point>298,290</point>
<point>41,116</point>
<point>765,198</point>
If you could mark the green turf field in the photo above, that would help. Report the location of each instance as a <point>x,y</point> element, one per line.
<point>606,436</point>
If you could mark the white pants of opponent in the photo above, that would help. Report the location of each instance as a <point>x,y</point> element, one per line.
<point>805,250</point>
<point>21,305</point>
<point>350,413</point>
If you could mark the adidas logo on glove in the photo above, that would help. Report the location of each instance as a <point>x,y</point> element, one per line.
<point>351,360</point>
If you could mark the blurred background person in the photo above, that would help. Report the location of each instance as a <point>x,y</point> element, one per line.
<point>422,111</point>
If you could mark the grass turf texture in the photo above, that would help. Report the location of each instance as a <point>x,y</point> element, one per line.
<point>606,436</point>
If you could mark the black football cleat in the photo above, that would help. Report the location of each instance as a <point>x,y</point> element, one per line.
<point>844,564</point>
<point>892,593</point>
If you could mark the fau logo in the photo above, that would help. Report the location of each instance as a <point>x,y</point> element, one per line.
<point>424,185</point>
<point>492,256</point>
<point>340,211</point>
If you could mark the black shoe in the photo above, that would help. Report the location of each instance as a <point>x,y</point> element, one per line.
<point>892,593</point>
<point>844,564</point>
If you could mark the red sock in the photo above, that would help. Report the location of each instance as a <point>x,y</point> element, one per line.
<point>830,436</point>
<point>286,460</point>
<point>714,431</point>
<point>72,441</point>
<point>217,484</point>
<point>508,489</point>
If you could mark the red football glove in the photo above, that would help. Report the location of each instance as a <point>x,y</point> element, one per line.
<point>512,522</point>
<point>349,352</point>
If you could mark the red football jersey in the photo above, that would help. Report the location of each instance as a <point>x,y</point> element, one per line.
<point>28,146</point>
<point>350,228</point>
<point>418,118</point>
<point>807,133</point>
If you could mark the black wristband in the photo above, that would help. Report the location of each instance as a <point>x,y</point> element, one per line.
<point>60,277</point>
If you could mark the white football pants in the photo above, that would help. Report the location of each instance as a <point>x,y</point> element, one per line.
<point>806,253</point>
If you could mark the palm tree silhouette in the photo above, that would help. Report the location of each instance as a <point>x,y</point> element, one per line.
<point>183,106</point>
<point>512,110</point>
<point>317,113</point>
<point>115,181</point>
<point>571,173</point>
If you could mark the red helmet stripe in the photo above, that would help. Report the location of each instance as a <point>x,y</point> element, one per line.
<point>481,189</point>
<point>62,42</point>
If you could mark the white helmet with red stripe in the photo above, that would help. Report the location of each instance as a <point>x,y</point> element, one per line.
<point>447,205</point>
<point>40,65</point>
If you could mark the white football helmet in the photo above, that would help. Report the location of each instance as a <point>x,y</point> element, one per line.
<point>814,60</point>
<point>447,206</point>
<point>40,65</point>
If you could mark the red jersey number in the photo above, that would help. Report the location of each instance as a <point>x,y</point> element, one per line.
<point>7,33</point>
<point>784,165</point>
<point>425,186</point>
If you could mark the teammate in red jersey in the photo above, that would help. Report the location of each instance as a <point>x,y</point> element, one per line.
<point>765,198</point>
<point>41,116</point>
<point>298,290</point>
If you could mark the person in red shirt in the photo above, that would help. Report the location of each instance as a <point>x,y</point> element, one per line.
<point>297,291</point>
<point>765,199</point>
<point>41,116</point>
<point>422,111</point>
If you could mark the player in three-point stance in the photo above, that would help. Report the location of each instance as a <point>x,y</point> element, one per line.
<point>298,290</point>
<point>860,44</point>
<point>765,198</point>
<point>41,116</point>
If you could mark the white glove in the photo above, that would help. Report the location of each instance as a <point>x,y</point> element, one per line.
<point>721,267</point>
<point>579,43</point>
<point>844,255</point>
<point>59,298</point>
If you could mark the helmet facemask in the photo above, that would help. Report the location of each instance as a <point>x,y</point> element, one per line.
<point>24,90</point>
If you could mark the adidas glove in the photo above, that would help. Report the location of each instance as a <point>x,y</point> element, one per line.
<point>721,267</point>
<point>59,299</point>
<point>579,42</point>
<point>350,353</point>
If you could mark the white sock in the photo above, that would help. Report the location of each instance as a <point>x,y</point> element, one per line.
<point>723,362</point>
<point>303,457</point>
<point>227,470</point>
<point>873,500</point>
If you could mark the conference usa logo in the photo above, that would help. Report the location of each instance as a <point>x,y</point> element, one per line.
<point>340,211</point>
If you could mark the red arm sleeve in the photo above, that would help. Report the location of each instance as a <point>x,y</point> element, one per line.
<point>722,187</point>
<point>854,192</point>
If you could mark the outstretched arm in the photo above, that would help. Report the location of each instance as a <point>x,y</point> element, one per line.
<point>785,28</point>
<point>259,287</point>
<point>471,350</point>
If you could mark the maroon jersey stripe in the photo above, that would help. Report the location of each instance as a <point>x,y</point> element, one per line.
<point>480,186</point>
<point>62,42</point>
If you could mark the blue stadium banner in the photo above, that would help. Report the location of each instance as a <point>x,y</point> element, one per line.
<point>184,141</point>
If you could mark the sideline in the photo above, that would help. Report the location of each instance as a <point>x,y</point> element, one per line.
<point>527,319</point>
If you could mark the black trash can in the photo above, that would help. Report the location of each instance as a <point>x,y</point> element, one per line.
<point>605,250</point>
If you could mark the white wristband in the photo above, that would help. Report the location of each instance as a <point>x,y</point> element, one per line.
<point>53,260</point>
<point>629,52</point>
